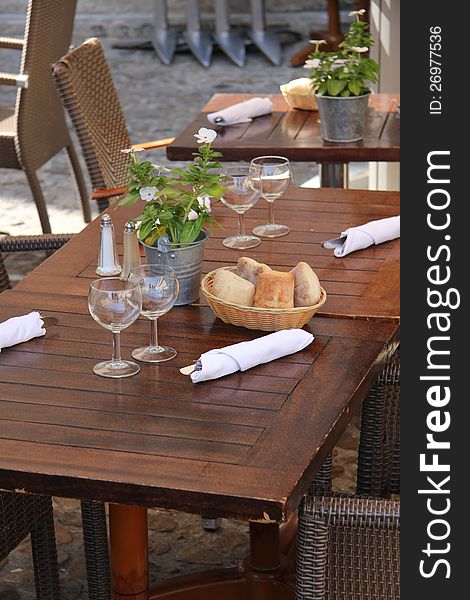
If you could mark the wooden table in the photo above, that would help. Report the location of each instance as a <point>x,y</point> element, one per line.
<point>296,135</point>
<point>246,446</point>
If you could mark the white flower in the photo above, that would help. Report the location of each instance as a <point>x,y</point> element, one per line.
<point>355,13</point>
<point>317,42</point>
<point>312,63</point>
<point>148,193</point>
<point>340,62</point>
<point>205,136</point>
<point>205,202</point>
<point>192,216</point>
<point>360,49</point>
<point>160,168</point>
<point>132,150</point>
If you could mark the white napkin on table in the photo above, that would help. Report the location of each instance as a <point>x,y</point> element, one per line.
<point>363,236</point>
<point>243,112</point>
<point>21,329</point>
<point>245,355</point>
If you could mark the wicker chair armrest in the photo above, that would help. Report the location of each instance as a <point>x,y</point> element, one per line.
<point>355,511</point>
<point>28,243</point>
<point>108,193</point>
<point>11,43</point>
<point>14,80</point>
<point>155,144</point>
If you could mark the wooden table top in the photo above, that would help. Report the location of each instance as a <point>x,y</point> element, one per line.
<point>363,284</point>
<point>294,134</point>
<point>245,446</point>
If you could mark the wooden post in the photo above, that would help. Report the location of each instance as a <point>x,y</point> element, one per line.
<point>129,552</point>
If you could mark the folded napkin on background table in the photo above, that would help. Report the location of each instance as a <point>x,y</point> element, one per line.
<point>363,236</point>
<point>243,112</point>
<point>245,355</point>
<point>21,329</point>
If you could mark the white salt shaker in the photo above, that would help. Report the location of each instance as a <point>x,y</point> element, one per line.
<point>107,259</point>
<point>131,249</point>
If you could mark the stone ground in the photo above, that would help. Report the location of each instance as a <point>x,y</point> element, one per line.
<point>158,101</point>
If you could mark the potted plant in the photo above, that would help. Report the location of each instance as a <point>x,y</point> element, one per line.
<point>177,209</point>
<point>340,82</point>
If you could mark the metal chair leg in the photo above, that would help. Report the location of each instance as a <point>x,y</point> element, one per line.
<point>267,41</point>
<point>199,41</point>
<point>210,524</point>
<point>38,198</point>
<point>45,556</point>
<point>81,186</point>
<point>232,42</point>
<point>95,539</point>
<point>163,37</point>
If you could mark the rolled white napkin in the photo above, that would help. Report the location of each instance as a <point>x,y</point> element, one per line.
<point>245,355</point>
<point>243,112</point>
<point>363,236</point>
<point>21,329</point>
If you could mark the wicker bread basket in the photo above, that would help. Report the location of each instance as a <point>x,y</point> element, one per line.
<point>300,101</point>
<point>251,317</point>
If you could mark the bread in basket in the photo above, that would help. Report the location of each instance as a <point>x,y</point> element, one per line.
<point>251,317</point>
<point>298,93</point>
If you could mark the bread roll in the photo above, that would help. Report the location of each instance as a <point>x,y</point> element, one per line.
<point>232,288</point>
<point>307,289</point>
<point>250,269</point>
<point>275,290</point>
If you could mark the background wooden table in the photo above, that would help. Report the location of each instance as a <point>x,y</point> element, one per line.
<point>296,135</point>
<point>245,446</point>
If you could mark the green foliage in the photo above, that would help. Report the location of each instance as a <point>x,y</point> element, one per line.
<point>176,208</point>
<point>346,72</point>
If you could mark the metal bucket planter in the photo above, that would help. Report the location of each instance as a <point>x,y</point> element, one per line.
<point>185,260</point>
<point>342,119</point>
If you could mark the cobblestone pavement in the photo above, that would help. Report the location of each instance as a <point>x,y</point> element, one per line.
<point>157,101</point>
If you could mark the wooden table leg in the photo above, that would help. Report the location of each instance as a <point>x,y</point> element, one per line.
<point>128,534</point>
<point>266,567</point>
<point>332,175</point>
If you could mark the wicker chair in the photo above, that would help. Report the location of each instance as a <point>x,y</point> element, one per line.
<point>378,470</point>
<point>85,84</point>
<point>348,549</point>
<point>34,131</point>
<point>20,516</point>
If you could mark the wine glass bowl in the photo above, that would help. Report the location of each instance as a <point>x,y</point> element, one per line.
<point>275,173</point>
<point>159,287</point>
<point>242,189</point>
<point>115,304</point>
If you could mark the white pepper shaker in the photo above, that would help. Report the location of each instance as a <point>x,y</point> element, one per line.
<point>131,249</point>
<point>108,264</point>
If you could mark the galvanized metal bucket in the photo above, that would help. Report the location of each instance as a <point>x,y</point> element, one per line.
<point>186,260</point>
<point>342,119</point>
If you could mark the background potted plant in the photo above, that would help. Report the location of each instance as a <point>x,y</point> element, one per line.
<point>177,209</point>
<point>340,82</point>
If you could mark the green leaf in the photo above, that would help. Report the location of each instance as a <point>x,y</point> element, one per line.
<point>145,228</point>
<point>335,86</point>
<point>130,199</point>
<point>355,87</point>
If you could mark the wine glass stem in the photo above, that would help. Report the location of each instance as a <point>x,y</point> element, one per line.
<point>153,333</point>
<point>271,213</point>
<point>116,346</point>
<point>241,223</point>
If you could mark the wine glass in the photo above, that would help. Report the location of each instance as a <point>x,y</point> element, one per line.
<point>160,288</point>
<point>242,190</point>
<point>115,304</point>
<point>275,179</point>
